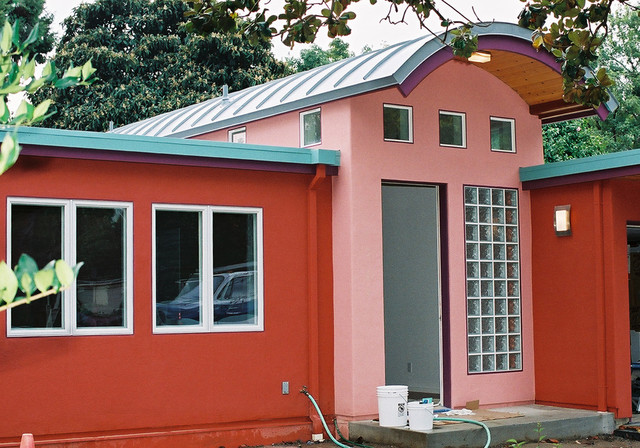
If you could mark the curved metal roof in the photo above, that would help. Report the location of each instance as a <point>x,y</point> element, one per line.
<point>401,65</point>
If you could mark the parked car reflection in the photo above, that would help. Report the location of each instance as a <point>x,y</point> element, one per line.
<point>233,301</point>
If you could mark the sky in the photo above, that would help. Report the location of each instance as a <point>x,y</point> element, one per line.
<point>366,28</point>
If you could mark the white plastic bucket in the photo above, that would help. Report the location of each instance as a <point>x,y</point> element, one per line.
<point>392,405</point>
<point>420,416</point>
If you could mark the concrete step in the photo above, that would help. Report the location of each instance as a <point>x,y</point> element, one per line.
<point>555,423</point>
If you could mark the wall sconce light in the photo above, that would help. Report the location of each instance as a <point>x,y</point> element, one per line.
<point>480,56</point>
<point>562,220</point>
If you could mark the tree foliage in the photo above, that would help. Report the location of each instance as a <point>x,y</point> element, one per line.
<point>28,13</point>
<point>18,75</point>
<point>620,54</point>
<point>315,56</point>
<point>148,64</point>
<point>573,30</point>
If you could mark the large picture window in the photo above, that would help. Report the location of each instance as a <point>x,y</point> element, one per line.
<point>95,233</point>
<point>207,266</point>
<point>493,280</point>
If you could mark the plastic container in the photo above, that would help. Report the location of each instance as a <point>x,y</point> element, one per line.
<point>392,405</point>
<point>420,416</point>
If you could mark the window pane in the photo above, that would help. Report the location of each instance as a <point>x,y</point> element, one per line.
<point>311,128</point>
<point>234,268</point>
<point>178,269</point>
<point>100,240</point>
<point>238,136</point>
<point>501,135</point>
<point>451,129</point>
<point>37,230</point>
<point>396,123</point>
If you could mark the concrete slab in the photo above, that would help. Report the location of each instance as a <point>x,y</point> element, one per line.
<point>556,423</point>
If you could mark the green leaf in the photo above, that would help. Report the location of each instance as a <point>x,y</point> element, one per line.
<point>87,70</point>
<point>27,264</point>
<point>4,112</point>
<point>26,284</point>
<point>8,283</point>
<point>5,40</point>
<point>33,36</point>
<point>41,109</point>
<point>44,279</point>
<point>9,152</point>
<point>64,273</point>
<point>28,69</point>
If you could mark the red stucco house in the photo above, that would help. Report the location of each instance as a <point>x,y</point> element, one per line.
<point>413,251</point>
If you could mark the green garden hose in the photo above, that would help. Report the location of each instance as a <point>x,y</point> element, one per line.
<point>464,420</point>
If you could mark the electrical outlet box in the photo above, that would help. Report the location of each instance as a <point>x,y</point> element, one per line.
<point>285,388</point>
<point>317,437</point>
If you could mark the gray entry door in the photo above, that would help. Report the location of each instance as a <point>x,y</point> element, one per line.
<point>410,232</point>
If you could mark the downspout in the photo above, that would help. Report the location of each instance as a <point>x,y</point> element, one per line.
<point>312,291</point>
<point>601,308</point>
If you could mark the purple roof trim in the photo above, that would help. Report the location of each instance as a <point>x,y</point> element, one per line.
<point>430,64</point>
<point>491,42</point>
<point>582,177</point>
<point>120,156</point>
<point>506,43</point>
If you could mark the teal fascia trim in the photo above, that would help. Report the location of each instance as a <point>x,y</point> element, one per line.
<point>168,146</point>
<point>581,166</point>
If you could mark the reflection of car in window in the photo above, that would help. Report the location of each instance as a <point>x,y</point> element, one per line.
<point>233,300</point>
<point>235,297</point>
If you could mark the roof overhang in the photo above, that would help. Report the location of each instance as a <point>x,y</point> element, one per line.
<point>45,142</point>
<point>625,164</point>
<point>534,75</point>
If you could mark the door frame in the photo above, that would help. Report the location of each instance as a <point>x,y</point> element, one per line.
<point>443,272</point>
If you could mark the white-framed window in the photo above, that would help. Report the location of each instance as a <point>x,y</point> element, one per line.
<point>494,333</point>
<point>310,128</point>
<point>503,134</point>
<point>238,135</point>
<point>207,269</point>
<point>97,233</point>
<point>397,123</point>
<point>453,129</point>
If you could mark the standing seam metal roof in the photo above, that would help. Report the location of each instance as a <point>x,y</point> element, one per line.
<point>360,74</point>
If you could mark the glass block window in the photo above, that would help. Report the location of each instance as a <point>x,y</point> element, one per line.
<point>493,280</point>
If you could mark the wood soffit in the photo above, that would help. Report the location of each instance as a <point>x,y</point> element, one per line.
<point>537,84</point>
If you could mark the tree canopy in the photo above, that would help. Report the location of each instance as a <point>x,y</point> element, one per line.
<point>147,63</point>
<point>573,30</point>
<point>315,56</point>
<point>28,13</point>
<point>620,54</point>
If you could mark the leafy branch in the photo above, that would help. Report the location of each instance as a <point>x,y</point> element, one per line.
<point>18,75</point>
<point>572,30</point>
<point>56,276</point>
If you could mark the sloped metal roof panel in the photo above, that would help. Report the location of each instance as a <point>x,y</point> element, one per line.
<point>401,64</point>
<point>341,79</point>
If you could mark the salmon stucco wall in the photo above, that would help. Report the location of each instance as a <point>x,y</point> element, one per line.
<point>581,295</point>
<point>354,126</point>
<point>222,388</point>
